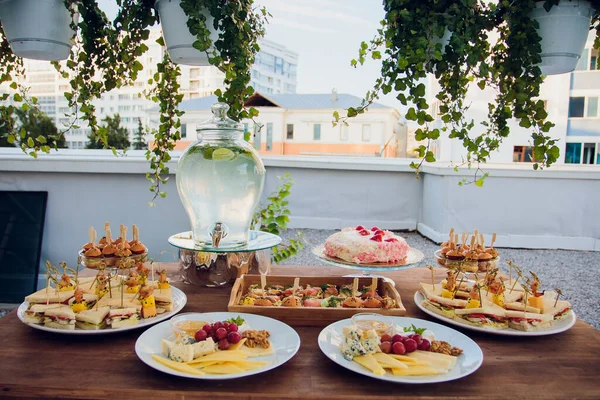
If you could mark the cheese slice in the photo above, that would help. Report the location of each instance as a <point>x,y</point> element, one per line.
<point>224,368</point>
<point>370,363</point>
<point>238,345</point>
<point>177,366</point>
<point>257,351</point>
<point>415,371</point>
<point>437,361</point>
<point>383,358</point>
<point>222,356</point>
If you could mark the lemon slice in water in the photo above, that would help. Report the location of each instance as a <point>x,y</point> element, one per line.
<point>223,154</point>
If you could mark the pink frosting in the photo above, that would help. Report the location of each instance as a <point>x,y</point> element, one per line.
<point>351,246</point>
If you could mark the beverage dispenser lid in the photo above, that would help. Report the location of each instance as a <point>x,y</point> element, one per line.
<point>220,120</point>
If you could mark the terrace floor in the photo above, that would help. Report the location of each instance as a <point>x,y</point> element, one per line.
<point>573,272</point>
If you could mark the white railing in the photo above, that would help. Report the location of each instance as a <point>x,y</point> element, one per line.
<point>554,208</point>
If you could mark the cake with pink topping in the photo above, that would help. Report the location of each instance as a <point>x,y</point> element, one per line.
<point>362,246</point>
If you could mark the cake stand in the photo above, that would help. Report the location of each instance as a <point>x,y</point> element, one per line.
<point>413,259</point>
<point>215,267</point>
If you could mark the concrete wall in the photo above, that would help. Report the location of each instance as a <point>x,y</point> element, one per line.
<point>555,208</point>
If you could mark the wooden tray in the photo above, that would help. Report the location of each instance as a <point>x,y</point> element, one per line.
<point>310,316</point>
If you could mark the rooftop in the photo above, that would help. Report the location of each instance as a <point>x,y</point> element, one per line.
<point>292,101</point>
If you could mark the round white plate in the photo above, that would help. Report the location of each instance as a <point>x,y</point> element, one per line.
<point>557,327</point>
<point>179,301</point>
<point>331,338</point>
<point>284,340</point>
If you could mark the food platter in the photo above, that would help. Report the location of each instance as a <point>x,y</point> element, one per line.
<point>331,338</point>
<point>179,301</point>
<point>413,258</point>
<point>557,327</point>
<point>284,340</point>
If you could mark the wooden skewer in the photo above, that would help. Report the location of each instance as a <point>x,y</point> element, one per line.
<point>108,235</point>
<point>296,285</point>
<point>152,270</point>
<point>432,277</point>
<point>123,236</point>
<point>122,290</point>
<point>473,241</point>
<point>354,287</point>
<point>493,240</point>
<point>558,293</point>
<point>263,281</point>
<point>91,234</point>
<point>374,286</point>
<point>482,241</point>
<point>476,234</point>
<point>451,234</point>
<point>464,237</point>
<point>135,233</point>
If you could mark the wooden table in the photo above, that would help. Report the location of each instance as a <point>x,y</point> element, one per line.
<point>36,363</point>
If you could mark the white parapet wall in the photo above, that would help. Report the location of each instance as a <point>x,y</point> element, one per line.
<point>554,208</point>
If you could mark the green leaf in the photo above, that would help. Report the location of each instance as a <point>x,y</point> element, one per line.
<point>411,115</point>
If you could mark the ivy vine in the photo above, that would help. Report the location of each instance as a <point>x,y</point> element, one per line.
<point>410,46</point>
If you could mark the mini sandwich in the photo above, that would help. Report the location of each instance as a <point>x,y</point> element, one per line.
<point>526,321</point>
<point>488,316</point>
<point>558,312</point>
<point>92,319</point>
<point>60,318</point>
<point>122,317</point>
<point>35,313</point>
<point>519,306</point>
<point>163,300</point>
<point>89,298</point>
<point>438,304</point>
<point>49,296</point>
<point>129,301</point>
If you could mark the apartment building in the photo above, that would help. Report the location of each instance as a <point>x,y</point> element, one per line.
<point>301,124</point>
<point>274,72</point>
<point>571,101</point>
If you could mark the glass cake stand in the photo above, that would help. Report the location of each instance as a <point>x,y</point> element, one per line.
<point>413,259</point>
<point>216,267</point>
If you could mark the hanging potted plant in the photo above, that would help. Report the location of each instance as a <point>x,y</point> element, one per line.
<point>563,27</point>
<point>176,33</point>
<point>491,45</point>
<point>38,29</point>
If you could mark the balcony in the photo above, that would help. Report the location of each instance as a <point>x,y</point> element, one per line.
<point>551,209</point>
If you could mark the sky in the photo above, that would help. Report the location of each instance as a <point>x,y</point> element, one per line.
<point>326,34</point>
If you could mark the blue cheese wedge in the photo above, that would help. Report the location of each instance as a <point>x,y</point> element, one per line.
<point>358,342</point>
<point>203,348</point>
<point>177,352</point>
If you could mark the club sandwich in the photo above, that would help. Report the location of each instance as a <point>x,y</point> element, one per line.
<point>93,319</point>
<point>35,313</point>
<point>122,317</point>
<point>60,318</point>
<point>527,321</point>
<point>440,305</point>
<point>490,315</point>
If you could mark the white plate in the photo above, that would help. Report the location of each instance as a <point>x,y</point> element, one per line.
<point>284,340</point>
<point>331,338</point>
<point>557,327</point>
<point>179,301</point>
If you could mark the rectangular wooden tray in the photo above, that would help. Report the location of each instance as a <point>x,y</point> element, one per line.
<point>310,316</point>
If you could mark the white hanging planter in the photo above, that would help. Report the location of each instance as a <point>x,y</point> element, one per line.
<point>178,39</point>
<point>564,31</point>
<point>38,29</point>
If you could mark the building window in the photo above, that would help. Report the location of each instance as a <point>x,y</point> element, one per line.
<point>573,153</point>
<point>344,133</point>
<point>523,154</point>
<point>290,131</point>
<point>269,136</point>
<point>317,132</point>
<point>183,130</point>
<point>594,60</point>
<point>366,133</point>
<point>592,107</point>
<point>589,153</point>
<point>257,143</point>
<point>576,107</point>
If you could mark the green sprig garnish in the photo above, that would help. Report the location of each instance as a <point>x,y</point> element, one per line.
<point>413,328</point>
<point>238,321</point>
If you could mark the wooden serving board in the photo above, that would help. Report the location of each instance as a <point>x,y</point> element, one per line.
<point>311,316</point>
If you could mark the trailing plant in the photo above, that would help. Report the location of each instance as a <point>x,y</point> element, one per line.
<point>492,44</point>
<point>274,217</point>
<point>105,56</point>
